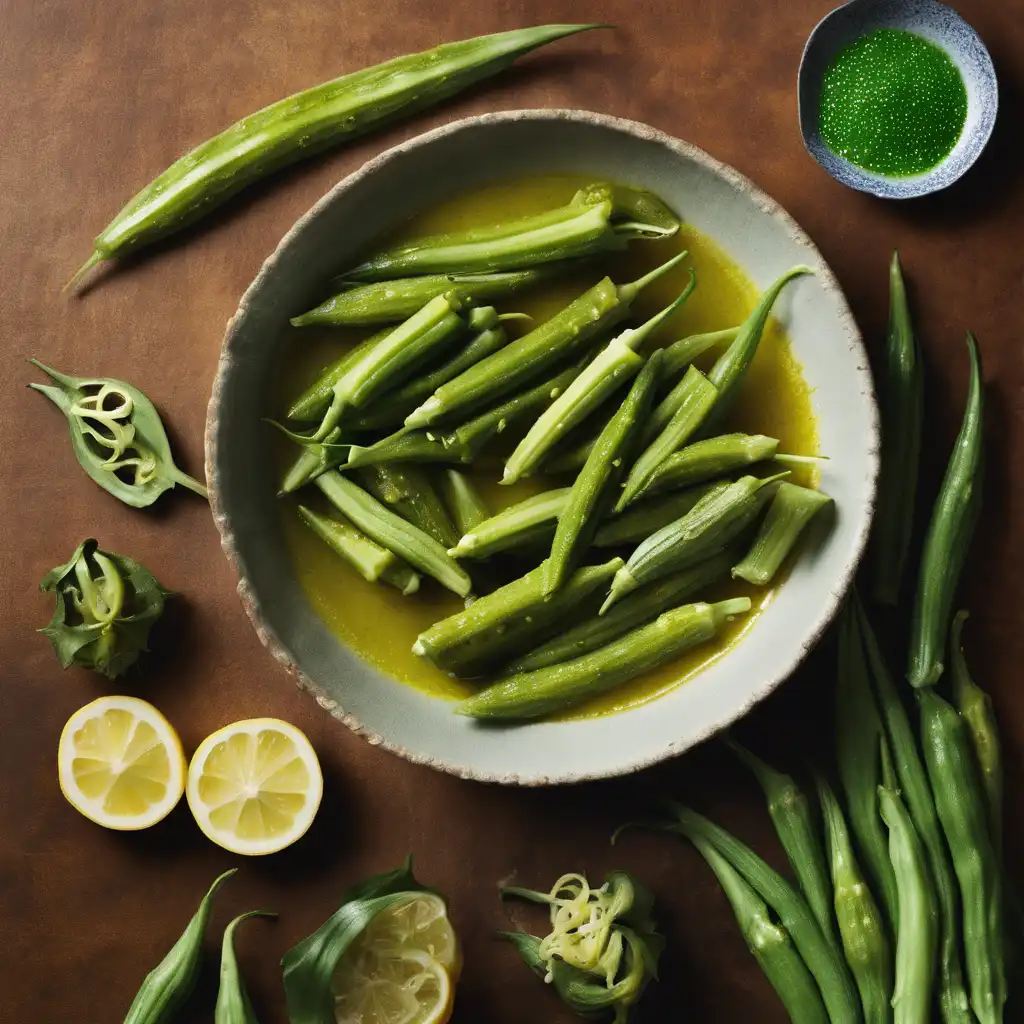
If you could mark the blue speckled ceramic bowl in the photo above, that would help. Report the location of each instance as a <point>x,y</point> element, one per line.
<point>938,24</point>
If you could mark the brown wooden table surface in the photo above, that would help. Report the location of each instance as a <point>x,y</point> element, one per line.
<point>100,97</point>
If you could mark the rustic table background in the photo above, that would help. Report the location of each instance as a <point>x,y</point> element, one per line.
<point>100,97</point>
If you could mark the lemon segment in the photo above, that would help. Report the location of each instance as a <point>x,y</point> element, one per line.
<point>254,786</point>
<point>120,763</point>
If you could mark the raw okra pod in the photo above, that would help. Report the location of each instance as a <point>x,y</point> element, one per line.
<point>233,1003</point>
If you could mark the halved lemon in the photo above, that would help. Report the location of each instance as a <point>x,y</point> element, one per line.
<point>120,763</point>
<point>254,786</point>
<point>403,967</point>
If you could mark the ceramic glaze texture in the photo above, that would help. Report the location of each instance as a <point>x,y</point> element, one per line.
<point>754,232</point>
<point>934,22</point>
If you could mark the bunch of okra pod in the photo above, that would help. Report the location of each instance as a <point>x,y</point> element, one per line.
<point>905,912</point>
<point>638,431</point>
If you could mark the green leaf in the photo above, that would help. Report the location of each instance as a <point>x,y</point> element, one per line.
<point>126,452</point>
<point>309,965</point>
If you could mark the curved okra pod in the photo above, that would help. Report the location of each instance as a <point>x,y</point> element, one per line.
<point>960,801</point>
<point>513,618</point>
<point>769,942</point>
<point>368,558</point>
<point>528,357</point>
<point>975,707</point>
<point>395,358</point>
<point>822,959</point>
<point>680,354</point>
<point>384,302</point>
<point>532,518</point>
<point>564,685</point>
<point>643,518</point>
<point>948,538</point>
<point>639,608</point>
<point>902,751</point>
<point>612,366</point>
<point>638,206</point>
<point>694,406</point>
<point>596,484</point>
<point>916,938</point>
<point>393,532</point>
<point>902,388</point>
<point>716,520</point>
<point>233,1004</point>
<point>790,511</point>
<point>465,504</point>
<point>408,490</point>
<point>709,459</point>
<point>308,123</point>
<point>861,928</point>
<point>407,446</point>
<point>731,366</point>
<point>790,811</point>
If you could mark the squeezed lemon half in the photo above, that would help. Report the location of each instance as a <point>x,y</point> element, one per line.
<point>120,763</point>
<point>402,969</point>
<point>254,786</point>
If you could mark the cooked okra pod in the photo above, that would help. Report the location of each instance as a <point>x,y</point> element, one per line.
<point>616,363</point>
<point>716,520</point>
<point>902,394</point>
<point>368,558</point>
<point>643,518</point>
<point>680,354</point>
<point>530,519</point>
<point>709,459</point>
<point>694,406</point>
<point>407,446</point>
<point>408,490</point>
<point>393,532</point>
<point>790,511</point>
<point>596,485</point>
<point>465,504</point>
<point>384,302</point>
<point>948,538</point>
<point>588,225</point>
<point>313,459</point>
<point>564,685</point>
<point>516,617</point>
<point>639,608</point>
<point>528,357</point>
<point>861,927</point>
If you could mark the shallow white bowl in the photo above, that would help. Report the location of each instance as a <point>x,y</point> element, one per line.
<point>752,229</point>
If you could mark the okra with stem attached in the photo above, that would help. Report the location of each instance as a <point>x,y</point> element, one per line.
<point>464,503</point>
<point>948,538</point>
<point>418,548</point>
<point>384,302</point>
<point>615,364</point>
<point>960,801</point>
<point>233,1004</point>
<point>975,707</point>
<point>368,558</point>
<point>916,936</point>
<point>640,607</point>
<point>407,446</point>
<point>716,520</point>
<point>408,490</point>
<point>902,751</point>
<point>514,618</point>
<point>769,942</point>
<point>902,394</point>
<point>545,691</point>
<point>643,518</point>
<point>312,460</point>
<point>791,814</point>
<point>861,928</point>
<point>529,357</point>
<point>530,519</point>
<point>790,511</point>
<point>694,406</point>
<point>822,959</point>
<point>860,740</point>
<point>596,485</point>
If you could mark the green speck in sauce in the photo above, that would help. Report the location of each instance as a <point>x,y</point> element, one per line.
<point>892,103</point>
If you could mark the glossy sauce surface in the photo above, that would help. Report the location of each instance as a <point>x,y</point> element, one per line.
<point>378,622</point>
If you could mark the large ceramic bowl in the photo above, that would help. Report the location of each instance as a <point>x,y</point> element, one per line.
<point>755,232</point>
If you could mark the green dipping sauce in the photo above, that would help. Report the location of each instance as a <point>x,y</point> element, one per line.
<point>892,103</point>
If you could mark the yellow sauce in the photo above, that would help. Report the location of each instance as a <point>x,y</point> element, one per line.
<point>378,622</point>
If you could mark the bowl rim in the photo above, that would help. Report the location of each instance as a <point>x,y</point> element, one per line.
<point>828,609</point>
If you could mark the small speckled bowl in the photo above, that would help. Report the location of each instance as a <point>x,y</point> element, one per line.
<point>753,230</point>
<point>938,24</point>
